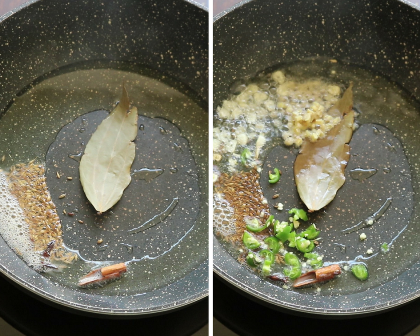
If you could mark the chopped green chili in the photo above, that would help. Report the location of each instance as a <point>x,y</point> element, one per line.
<point>384,247</point>
<point>253,224</point>
<point>268,261</point>
<point>253,260</point>
<point>299,214</point>
<point>267,255</point>
<point>291,260</point>
<point>282,230</point>
<point>360,271</point>
<point>250,241</point>
<point>314,259</point>
<point>246,154</point>
<point>292,239</point>
<point>266,269</point>
<point>310,233</point>
<point>274,178</point>
<point>294,271</point>
<point>273,243</point>
<point>304,245</point>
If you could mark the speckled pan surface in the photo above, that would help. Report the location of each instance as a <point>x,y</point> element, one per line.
<point>75,56</point>
<point>378,36</point>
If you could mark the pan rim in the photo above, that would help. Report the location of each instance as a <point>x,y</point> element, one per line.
<point>103,311</point>
<point>222,14</point>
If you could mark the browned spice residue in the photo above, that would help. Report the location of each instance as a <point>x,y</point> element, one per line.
<point>243,192</point>
<point>27,184</point>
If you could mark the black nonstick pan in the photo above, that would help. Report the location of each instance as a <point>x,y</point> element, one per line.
<point>63,65</point>
<point>341,41</point>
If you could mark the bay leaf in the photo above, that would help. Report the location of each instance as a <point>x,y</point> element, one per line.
<point>319,167</point>
<point>106,163</point>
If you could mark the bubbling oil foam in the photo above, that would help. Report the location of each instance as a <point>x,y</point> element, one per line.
<point>14,229</point>
<point>223,220</point>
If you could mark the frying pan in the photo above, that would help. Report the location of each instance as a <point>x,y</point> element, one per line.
<point>260,34</point>
<point>53,51</point>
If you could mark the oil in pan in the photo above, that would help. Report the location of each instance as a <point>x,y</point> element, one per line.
<point>372,219</point>
<point>154,228</point>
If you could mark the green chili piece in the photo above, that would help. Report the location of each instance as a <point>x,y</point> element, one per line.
<point>291,260</point>
<point>304,245</point>
<point>246,154</point>
<point>384,247</point>
<point>314,260</point>
<point>282,230</point>
<point>253,224</point>
<point>249,241</point>
<point>266,269</point>
<point>360,271</point>
<point>310,233</point>
<point>299,214</point>
<point>293,273</point>
<point>315,263</point>
<point>253,260</point>
<point>268,260</point>
<point>274,178</point>
<point>292,239</point>
<point>273,243</point>
<point>267,255</point>
<point>278,227</point>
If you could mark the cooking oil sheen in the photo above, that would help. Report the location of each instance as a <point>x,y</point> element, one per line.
<point>52,120</point>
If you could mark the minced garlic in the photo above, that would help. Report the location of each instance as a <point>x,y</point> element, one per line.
<point>312,124</point>
<point>298,109</point>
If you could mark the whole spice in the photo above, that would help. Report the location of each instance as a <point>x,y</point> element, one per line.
<point>109,154</point>
<point>103,275</point>
<point>243,193</point>
<point>276,277</point>
<point>48,249</point>
<point>27,184</point>
<point>319,275</point>
<point>319,167</point>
